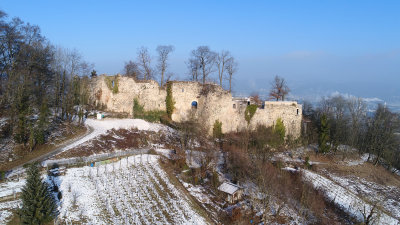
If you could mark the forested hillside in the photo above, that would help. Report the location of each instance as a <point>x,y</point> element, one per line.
<point>41,86</point>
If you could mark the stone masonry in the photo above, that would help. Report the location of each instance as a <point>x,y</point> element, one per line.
<point>205,103</point>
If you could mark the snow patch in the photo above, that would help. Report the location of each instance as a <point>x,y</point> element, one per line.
<point>102,126</point>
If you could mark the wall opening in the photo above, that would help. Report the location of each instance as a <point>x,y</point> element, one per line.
<point>297,111</point>
<point>194,105</point>
<point>248,103</point>
<point>234,106</point>
<point>112,84</point>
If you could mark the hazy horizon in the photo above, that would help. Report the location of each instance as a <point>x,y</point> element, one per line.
<point>320,48</point>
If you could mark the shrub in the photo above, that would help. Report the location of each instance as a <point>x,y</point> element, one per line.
<point>263,137</point>
<point>217,129</point>
<point>249,112</point>
<point>280,129</point>
<point>236,214</point>
<point>140,113</point>
<point>169,101</point>
<point>2,175</point>
<point>137,108</point>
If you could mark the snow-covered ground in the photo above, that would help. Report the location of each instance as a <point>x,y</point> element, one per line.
<point>9,188</point>
<point>6,210</point>
<point>346,199</point>
<point>134,190</point>
<point>385,195</point>
<point>102,126</point>
<point>355,162</point>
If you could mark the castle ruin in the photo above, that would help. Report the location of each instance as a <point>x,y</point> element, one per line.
<point>206,103</point>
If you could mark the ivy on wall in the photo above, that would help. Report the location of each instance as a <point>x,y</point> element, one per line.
<point>112,84</point>
<point>169,101</point>
<point>249,112</point>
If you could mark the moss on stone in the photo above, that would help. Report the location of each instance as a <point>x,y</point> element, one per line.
<point>109,82</point>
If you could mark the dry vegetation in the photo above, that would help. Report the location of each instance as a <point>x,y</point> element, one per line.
<point>249,159</point>
<point>113,140</point>
<point>66,132</point>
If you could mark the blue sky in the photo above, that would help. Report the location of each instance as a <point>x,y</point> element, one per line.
<point>320,47</point>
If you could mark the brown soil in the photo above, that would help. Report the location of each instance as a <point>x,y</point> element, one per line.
<point>377,174</point>
<point>114,139</point>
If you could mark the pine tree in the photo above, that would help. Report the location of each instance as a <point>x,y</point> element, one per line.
<point>38,204</point>
<point>323,137</point>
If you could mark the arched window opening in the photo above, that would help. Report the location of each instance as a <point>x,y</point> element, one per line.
<point>194,105</point>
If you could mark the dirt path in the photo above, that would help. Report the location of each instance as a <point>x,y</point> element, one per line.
<point>94,129</point>
<point>57,150</point>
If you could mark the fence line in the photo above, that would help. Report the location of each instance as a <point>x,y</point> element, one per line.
<point>93,158</point>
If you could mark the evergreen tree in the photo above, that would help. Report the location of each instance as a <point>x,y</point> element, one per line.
<point>93,73</point>
<point>38,204</point>
<point>323,137</point>
<point>217,129</point>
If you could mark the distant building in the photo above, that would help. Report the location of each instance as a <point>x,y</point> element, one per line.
<point>233,192</point>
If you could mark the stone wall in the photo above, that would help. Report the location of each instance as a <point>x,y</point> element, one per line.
<point>289,111</point>
<point>148,93</point>
<point>213,103</point>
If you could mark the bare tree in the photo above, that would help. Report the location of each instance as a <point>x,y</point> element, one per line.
<point>144,61</point>
<point>131,69</point>
<point>358,112</point>
<point>168,77</point>
<point>231,68</point>
<point>206,60</point>
<point>163,52</point>
<point>338,121</point>
<point>371,214</point>
<point>279,89</point>
<point>194,67</point>
<point>221,61</point>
